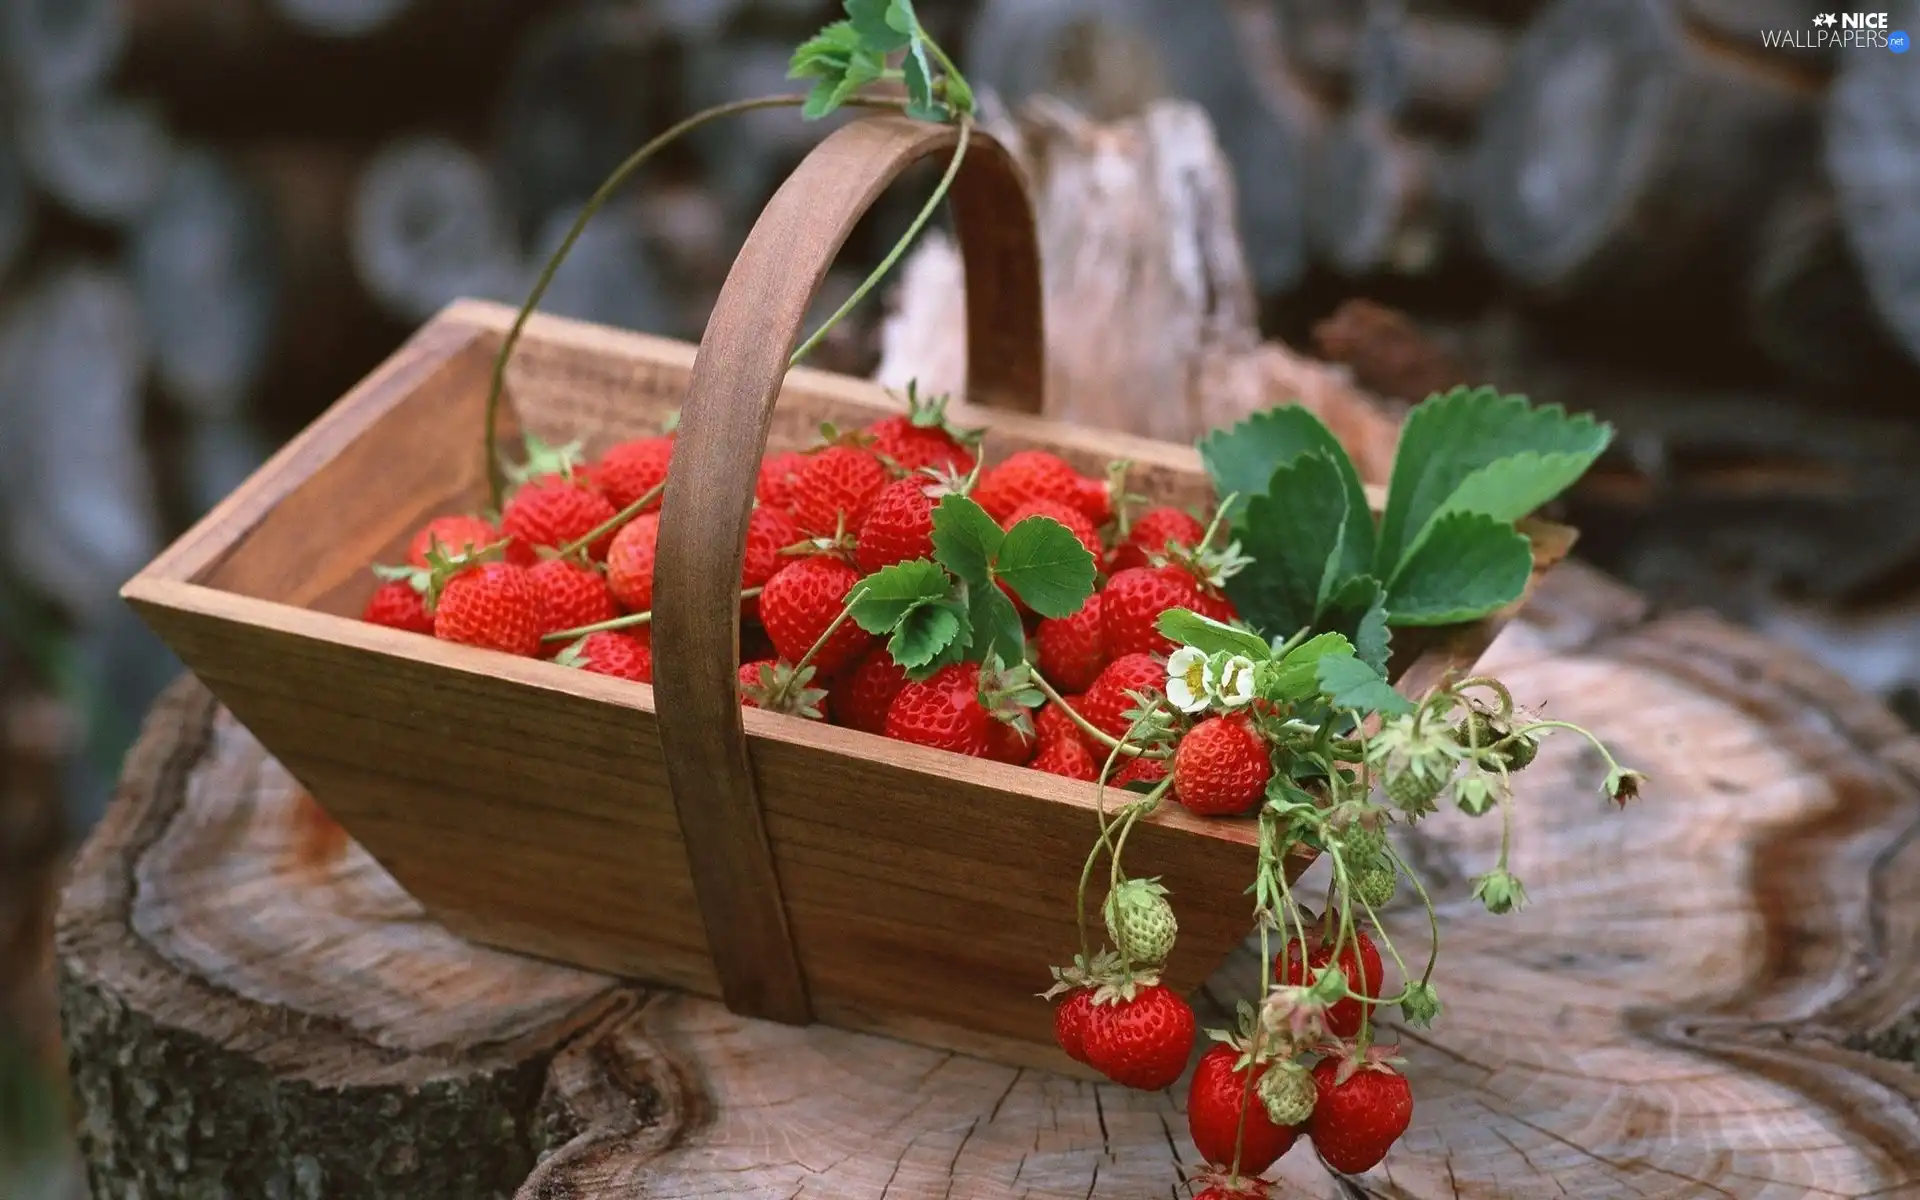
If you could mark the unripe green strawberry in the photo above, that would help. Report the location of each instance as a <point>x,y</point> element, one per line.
<point>1362,846</point>
<point>1288,1092</point>
<point>1374,886</point>
<point>1411,791</point>
<point>1140,921</point>
<point>1481,729</point>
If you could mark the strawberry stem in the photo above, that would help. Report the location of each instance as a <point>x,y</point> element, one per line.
<point>899,248</point>
<point>612,523</point>
<point>614,624</point>
<point>780,693</point>
<point>1105,739</point>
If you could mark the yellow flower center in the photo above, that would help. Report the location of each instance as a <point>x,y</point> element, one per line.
<point>1197,678</point>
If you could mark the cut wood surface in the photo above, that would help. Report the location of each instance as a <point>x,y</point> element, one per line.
<point>1151,318</point>
<point>1711,992</point>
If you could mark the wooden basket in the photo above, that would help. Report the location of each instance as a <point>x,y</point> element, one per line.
<point>799,871</point>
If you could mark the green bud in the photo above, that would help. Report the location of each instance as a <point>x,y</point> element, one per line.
<point>1421,1006</point>
<point>1499,891</point>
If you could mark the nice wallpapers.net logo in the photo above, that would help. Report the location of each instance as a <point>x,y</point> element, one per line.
<point>1846,31</point>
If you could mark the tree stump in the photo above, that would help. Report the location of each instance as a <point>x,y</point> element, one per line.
<point>1711,993</point>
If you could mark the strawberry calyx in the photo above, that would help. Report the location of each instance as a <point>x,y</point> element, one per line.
<point>414,577</point>
<point>944,481</point>
<point>930,412</point>
<point>841,545</point>
<point>1218,1182</point>
<point>1083,973</point>
<point>1009,695</point>
<point>1253,1043</point>
<point>1353,1060</point>
<point>443,565</point>
<point>832,435</point>
<point>782,689</point>
<point>574,655</point>
<point>545,460</point>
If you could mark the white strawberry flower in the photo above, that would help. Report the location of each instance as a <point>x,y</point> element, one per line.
<point>1234,682</point>
<point>1189,680</point>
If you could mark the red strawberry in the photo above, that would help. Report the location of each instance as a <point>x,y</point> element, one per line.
<point>1216,1101</point>
<point>900,525</point>
<point>1075,521</point>
<point>868,691</point>
<point>1151,534</point>
<point>459,535</point>
<point>494,605</point>
<point>610,652</point>
<point>944,712</point>
<point>1051,723</point>
<point>1070,1023</point>
<point>1009,744</point>
<point>1107,703</point>
<point>1067,757</point>
<point>1364,972</point>
<point>1356,1121</point>
<point>1212,604</point>
<point>1023,478</point>
<point>1236,1189</point>
<point>769,531</point>
<point>571,595</point>
<point>921,439</point>
<point>555,511</point>
<point>1220,768</point>
<point>1143,1042</point>
<point>397,604</point>
<point>1072,650</point>
<point>1140,770</point>
<point>777,472</point>
<point>1094,497</point>
<point>631,469</point>
<point>1131,605</point>
<point>630,562</point>
<point>835,489</point>
<point>775,686</point>
<point>798,604</point>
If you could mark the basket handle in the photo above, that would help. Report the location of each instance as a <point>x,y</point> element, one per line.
<point>722,435</point>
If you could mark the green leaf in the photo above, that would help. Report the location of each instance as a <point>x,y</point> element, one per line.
<point>1351,684</point>
<point>870,19</point>
<point>901,17</point>
<point>826,54</point>
<point>1297,676</point>
<point>1242,459</point>
<point>1292,532</point>
<point>922,104</point>
<point>956,648</point>
<point>889,594</point>
<point>966,539</point>
<point>1045,564</point>
<point>1359,610</point>
<point>926,631</point>
<point>1467,566</point>
<point>1209,636</point>
<point>1516,456</point>
<point>996,626</point>
<point>822,98</point>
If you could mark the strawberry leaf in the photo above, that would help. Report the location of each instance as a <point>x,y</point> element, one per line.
<point>1467,566</point>
<point>887,596</point>
<point>1359,610</point>
<point>1350,684</point>
<point>922,104</point>
<point>870,19</point>
<point>1189,628</point>
<point>1297,676</point>
<point>1293,533</point>
<point>826,54</point>
<point>966,540</point>
<point>995,626</point>
<point>1242,459</point>
<point>1474,450</point>
<point>1045,565</point>
<point>925,631</point>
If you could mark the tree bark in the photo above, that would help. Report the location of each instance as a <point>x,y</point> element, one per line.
<point>252,1005</point>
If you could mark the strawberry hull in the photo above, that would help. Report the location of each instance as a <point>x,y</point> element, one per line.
<point>797,870</point>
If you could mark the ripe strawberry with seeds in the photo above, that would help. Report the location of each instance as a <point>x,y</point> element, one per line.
<point>630,562</point>
<point>867,692</point>
<point>1136,770</point>
<point>1131,605</point>
<point>555,511</point>
<point>835,490</point>
<point>769,531</point>
<point>1072,651</point>
<point>1008,743</point>
<point>899,526</point>
<point>1110,699</point>
<point>1221,768</point>
<point>1359,961</point>
<point>1139,1036</point>
<point>799,604</point>
<point>1362,1110</point>
<point>398,604</point>
<point>1070,1019</point>
<point>1094,497</point>
<point>1067,757</point>
<point>611,652</point>
<point>493,605</point>
<point>631,469</point>
<point>1051,723</point>
<point>462,534</point>
<point>1152,533</point>
<point>1023,478</point>
<point>776,686</point>
<point>1224,1110</point>
<point>943,712</point>
<point>922,437</point>
<point>572,594</point>
<point>777,474</point>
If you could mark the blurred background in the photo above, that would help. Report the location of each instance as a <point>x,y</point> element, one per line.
<point>216,215</point>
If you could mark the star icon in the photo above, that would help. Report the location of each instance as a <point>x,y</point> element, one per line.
<point>1826,19</point>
